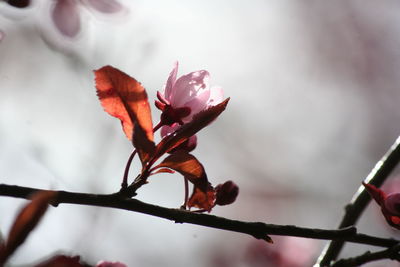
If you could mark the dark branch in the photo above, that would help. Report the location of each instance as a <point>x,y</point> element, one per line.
<point>361,199</point>
<point>258,230</point>
<point>390,253</point>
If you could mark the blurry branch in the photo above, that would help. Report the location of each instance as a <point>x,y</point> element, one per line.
<point>361,199</point>
<point>258,230</point>
<point>390,253</point>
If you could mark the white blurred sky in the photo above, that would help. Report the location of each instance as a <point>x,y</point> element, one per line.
<point>314,103</point>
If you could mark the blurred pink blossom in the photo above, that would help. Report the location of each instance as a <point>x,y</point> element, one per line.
<point>191,91</point>
<point>286,251</point>
<point>110,264</point>
<point>66,13</point>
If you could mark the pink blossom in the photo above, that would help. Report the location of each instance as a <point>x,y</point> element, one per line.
<point>191,91</point>
<point>188,145</point>
<point>104,6</point>
<point>66,17</point>
<point>110,264</point>
<point>286,251</point>
<point>66,13</point>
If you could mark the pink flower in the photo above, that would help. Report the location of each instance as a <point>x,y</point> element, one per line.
<point>390,204</point>
<point>286,251</point>
<point>186,96</point>
<point>66,13</point>
<point>189,145</point>
<point>110,264</point>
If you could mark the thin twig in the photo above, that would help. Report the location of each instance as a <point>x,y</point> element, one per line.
<point>258,230</point>
<point>124,183</point>
<point>390,253</point>
<point>361,199</point>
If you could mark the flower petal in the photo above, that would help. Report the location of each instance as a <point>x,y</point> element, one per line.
<point>171,82</point>
<point>167,130</point>
<point>189,86</point>
<point>110,264</point>
<point>105,6</point>
<point>197,104</point>
<point>216,97</point>
<point>65,15</point>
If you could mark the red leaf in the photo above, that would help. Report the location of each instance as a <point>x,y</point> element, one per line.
<point>125,98</point>
<point>144,146</point>
<point>163,170</point>
<point>377,194</point>
<point>395,220</point>
<point>187,165</point>
<point>202,199</point>
<point>26,220</point>
<point>199,121</point>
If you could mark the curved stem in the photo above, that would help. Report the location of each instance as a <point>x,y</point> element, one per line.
<point>158,126</point>
<point>390,253</point>
<point>124,183</point>
<point>361,199</point>
<point>186,183</point>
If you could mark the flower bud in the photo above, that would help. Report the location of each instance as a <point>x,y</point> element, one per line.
<point>226,193</point>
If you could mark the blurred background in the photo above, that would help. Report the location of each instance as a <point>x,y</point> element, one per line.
<point>314,104</point>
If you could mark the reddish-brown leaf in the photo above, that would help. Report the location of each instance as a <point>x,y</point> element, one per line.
<point>202,199</point>
<point>124,98</point>
<point>26,220</point>
<point>187,165</point>
<point>163,170</point>
<point>377,194</point>
<point>199,121</point>
<point>144,146</point>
